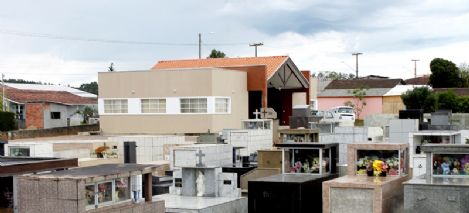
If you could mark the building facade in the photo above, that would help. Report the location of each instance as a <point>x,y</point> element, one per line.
<point>172,101</point>
<point>47,106</point>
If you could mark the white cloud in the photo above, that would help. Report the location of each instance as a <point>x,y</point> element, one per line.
<point>318,35</point>
<point>50,68</point>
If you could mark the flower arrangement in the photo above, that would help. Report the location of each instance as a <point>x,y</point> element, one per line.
<point>310,165</point>
<point>370,164</point>
<point>101,150</point>
<point>296,168</point>
<point>380,168</point>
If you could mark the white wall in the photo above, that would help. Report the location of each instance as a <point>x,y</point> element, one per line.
<point>151,147</point>
<point>35,149</point>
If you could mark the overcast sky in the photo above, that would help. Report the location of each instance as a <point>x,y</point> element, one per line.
<point>318,35</point>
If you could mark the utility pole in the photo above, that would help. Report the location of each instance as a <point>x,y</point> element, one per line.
<point>200,45</point>
<point>415,66</point>
<point>3,92</point>
<point>356,62</point>
<point>255,45</point>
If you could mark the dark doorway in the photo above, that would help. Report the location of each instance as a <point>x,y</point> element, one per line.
<point>274,101</point>
<point>281,102</point>
<point>2,148</point>
<point>6,194</point>
<point>255,102</point>
<point>130,152</point>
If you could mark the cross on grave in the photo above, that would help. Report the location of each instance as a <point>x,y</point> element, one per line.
<point>257,113</point>
<point>200,155</point>
<point>264,112</point>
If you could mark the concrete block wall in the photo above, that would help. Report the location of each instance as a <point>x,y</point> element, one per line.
<point>379,120</point>
<point>215,155</point>
<point>227,183</point>
<point>349,135</point>
<point>399,129</point>
<point>251,139</point>
<point>150,147</point>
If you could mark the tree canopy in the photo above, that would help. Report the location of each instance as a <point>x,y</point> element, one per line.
<point>333,75</point>
<point>217,54</point>
<point>22,81</point>
<point>91,87</point>
<point>445,74</point>
<point>464,74</point>
<point>420,98</point>
<point>423,98</point>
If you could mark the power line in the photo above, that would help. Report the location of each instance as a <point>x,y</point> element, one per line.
<point>24,73</point>
<point>113,41</point>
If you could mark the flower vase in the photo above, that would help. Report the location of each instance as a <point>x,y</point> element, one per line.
<point>369,173</point>
<point>382,174</point>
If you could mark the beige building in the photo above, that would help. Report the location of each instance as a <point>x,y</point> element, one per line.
<point>193,100</point>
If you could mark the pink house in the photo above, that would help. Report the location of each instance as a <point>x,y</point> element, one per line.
<point>340,91</point>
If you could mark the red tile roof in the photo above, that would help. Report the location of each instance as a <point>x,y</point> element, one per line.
<point>422,80</point>
<point>272,63</point>
<point>30,96</point>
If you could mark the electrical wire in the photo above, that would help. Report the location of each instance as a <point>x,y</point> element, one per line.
<point>112,41</point>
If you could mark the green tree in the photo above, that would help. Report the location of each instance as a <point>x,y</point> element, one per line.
<point>87,112</point>
<point>420,98</point>
<point>447,100</point>
<point>464,74</point>
<point>445,74</point>
<point>333,75</point>
<point>358,102</point>
<point>22,81</point>
<point>463,104</point>
<point>7,121</point>
<point>91,87</point>
<point>217,54</point>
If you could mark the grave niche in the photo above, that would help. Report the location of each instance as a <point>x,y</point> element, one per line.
<point>305,166</point>
<point>198,182</point>
<point>445,185</point>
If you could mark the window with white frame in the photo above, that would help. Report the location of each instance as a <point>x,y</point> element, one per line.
<point>18,151</point>
<point>107,192</point>
<point>115,106</point>
<point>153,105</point>
<point>193,105</point>
<point>222,105</point>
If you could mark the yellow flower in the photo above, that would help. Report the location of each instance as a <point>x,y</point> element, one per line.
<point>378,165</point>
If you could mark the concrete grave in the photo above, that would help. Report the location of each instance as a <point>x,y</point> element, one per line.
<point>256,134</point>
<point>198,174</point>
<point>445,185</point>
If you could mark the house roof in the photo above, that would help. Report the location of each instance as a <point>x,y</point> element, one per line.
<point>34,96</point>
<point>422,80</point>
<point>457,91</point>
<point>372,92</point>
<point>43,87</point>
<point>364,83</point>
<point>401,89</point>
<point>272,63</point>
